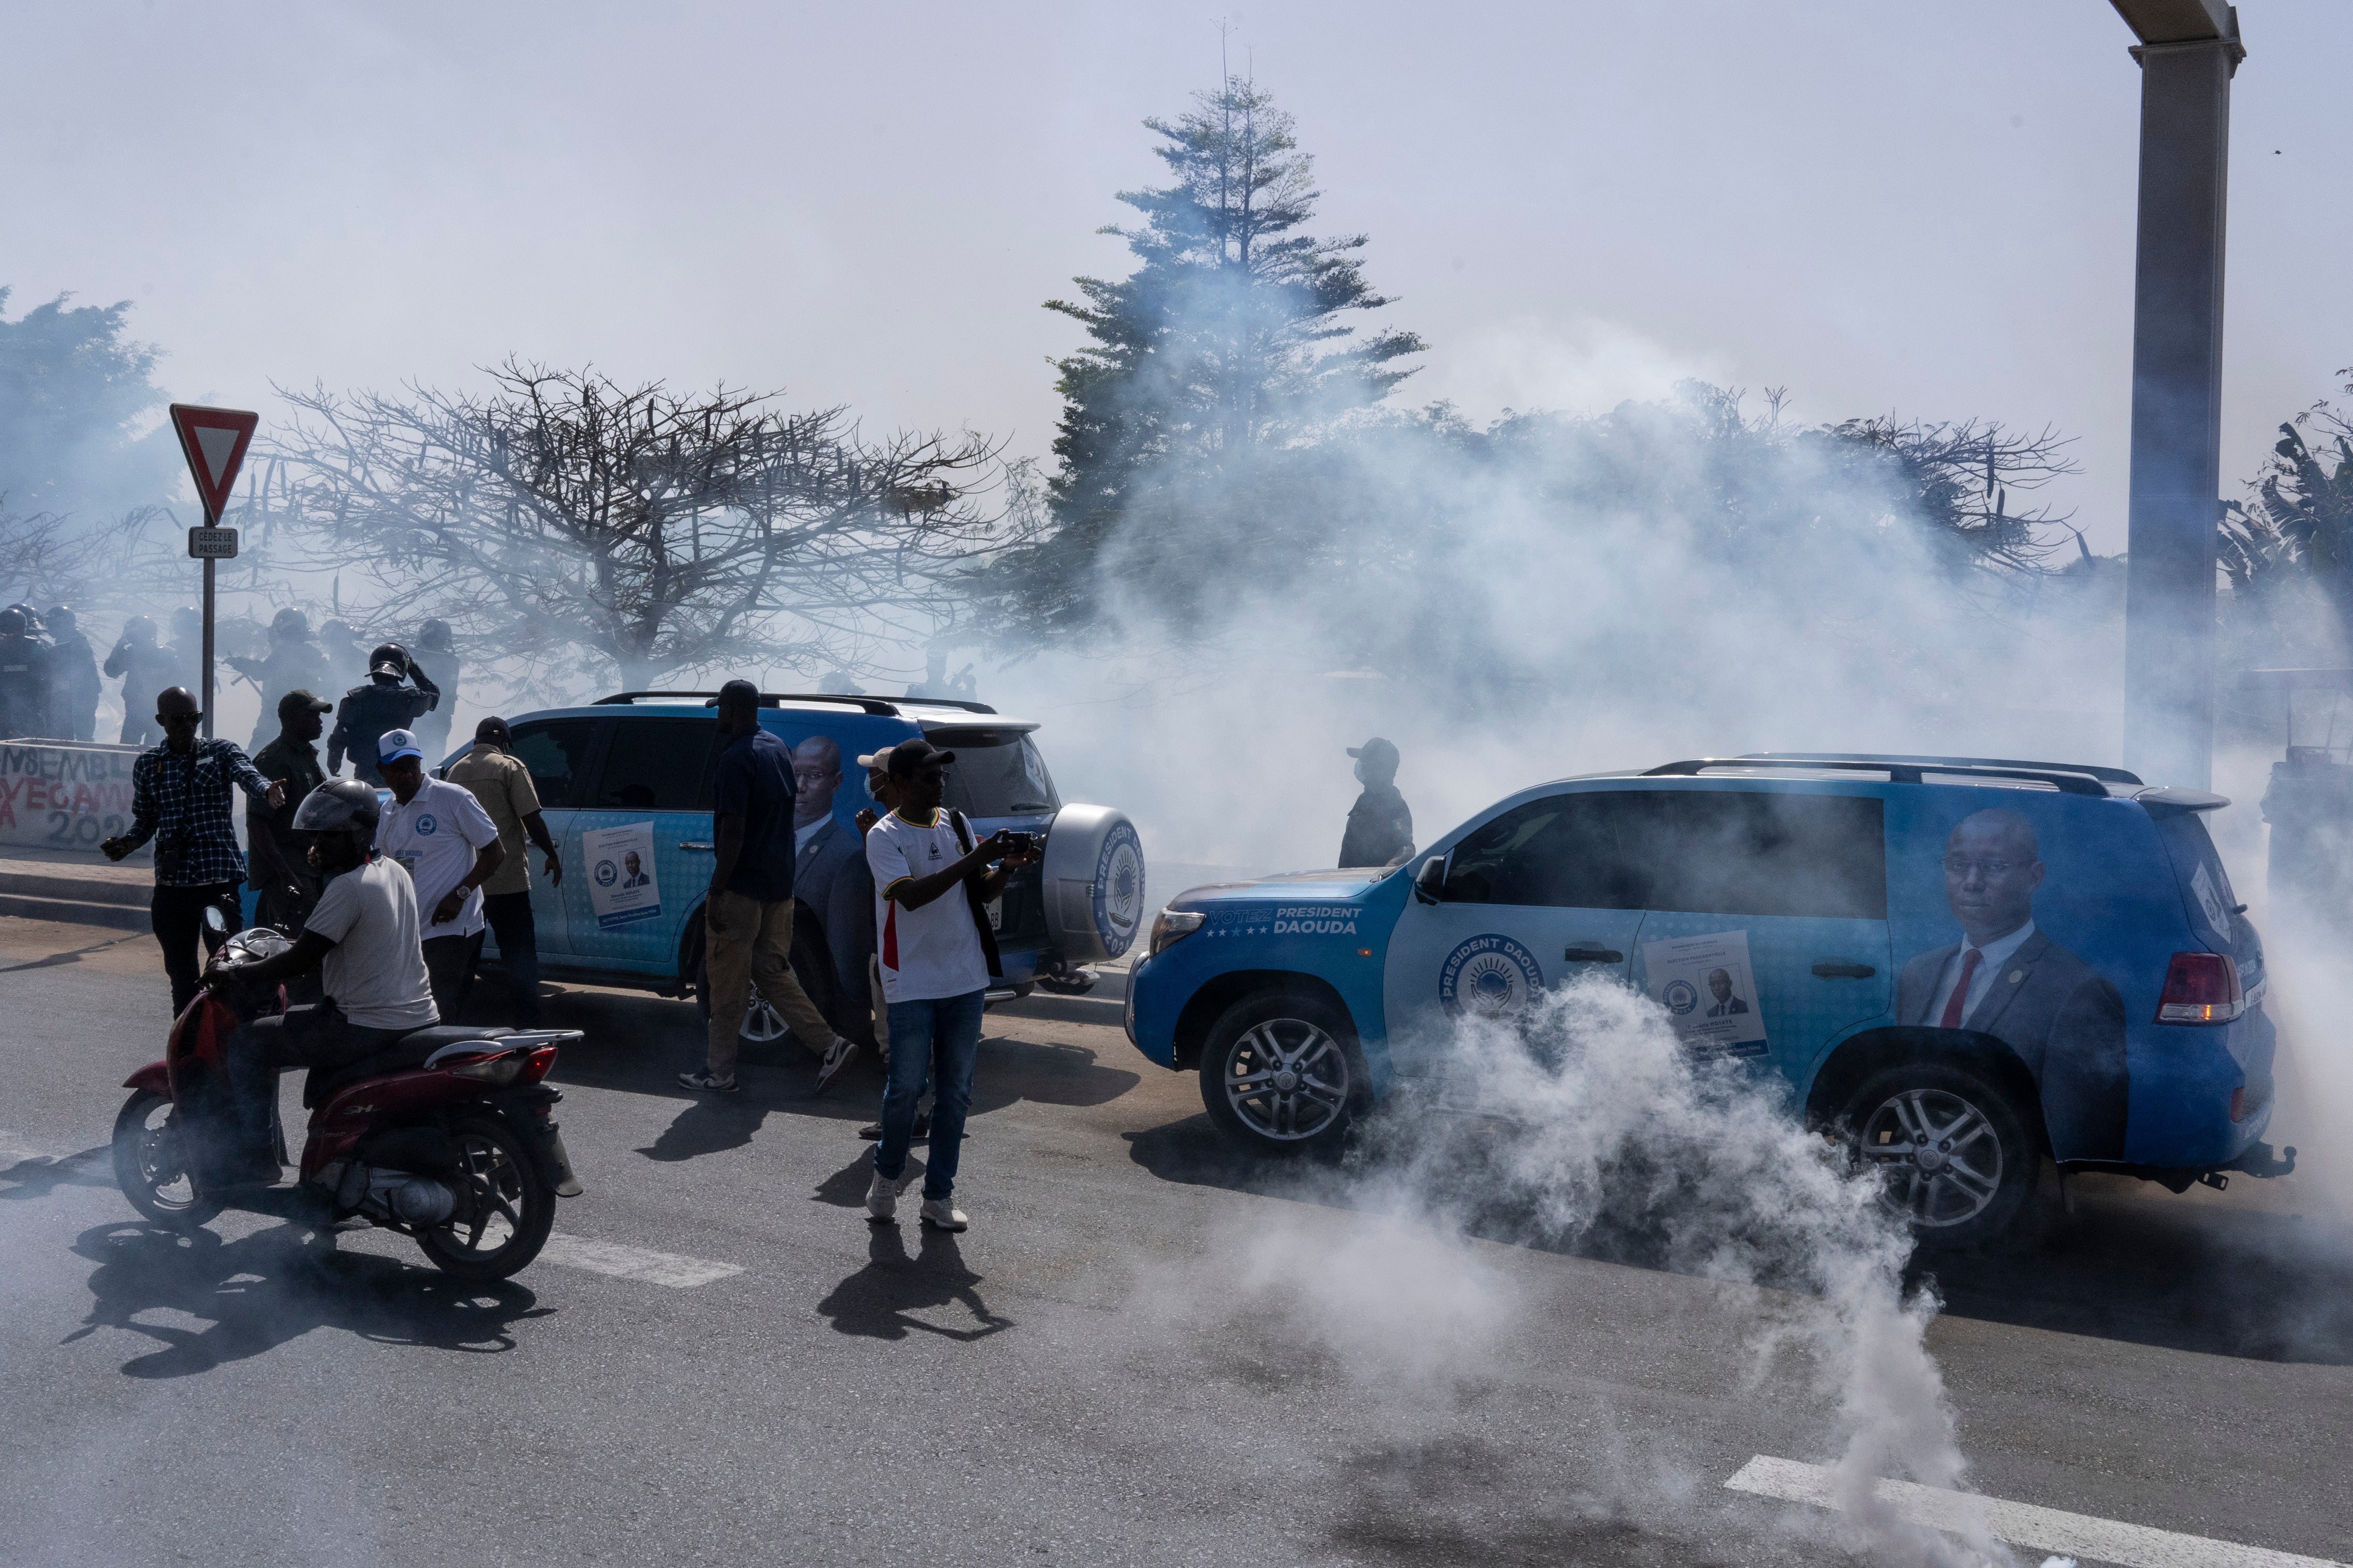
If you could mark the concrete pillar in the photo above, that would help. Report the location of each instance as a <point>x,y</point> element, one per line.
<point>2177,399</point>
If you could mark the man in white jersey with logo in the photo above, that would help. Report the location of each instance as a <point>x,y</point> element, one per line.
<point>449,845</point>
<point>931,886</point>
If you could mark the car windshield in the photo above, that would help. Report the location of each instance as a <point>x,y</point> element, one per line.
<point>998,773</point>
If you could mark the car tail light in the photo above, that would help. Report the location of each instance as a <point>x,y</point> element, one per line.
<point>504,1067</point>
<point>2201,988</point>
<point>537,1064</point>
<point>1174,925</point>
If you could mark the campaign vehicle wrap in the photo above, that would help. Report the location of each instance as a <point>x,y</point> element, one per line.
<point>2067,939</point>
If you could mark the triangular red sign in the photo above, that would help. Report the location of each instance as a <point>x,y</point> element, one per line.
<point>214,441</point>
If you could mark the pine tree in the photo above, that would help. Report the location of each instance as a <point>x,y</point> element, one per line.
<point>1229,345</point>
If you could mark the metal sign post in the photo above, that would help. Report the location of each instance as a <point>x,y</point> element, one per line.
<point>214,441</point>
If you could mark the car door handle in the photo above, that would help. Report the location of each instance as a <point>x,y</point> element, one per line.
<point>692,843</point>
<point>1839,969</point>
<point>1594,956</point>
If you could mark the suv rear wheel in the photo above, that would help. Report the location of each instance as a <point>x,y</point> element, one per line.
<point>1954,1151</point>
<point>1281,1074</point>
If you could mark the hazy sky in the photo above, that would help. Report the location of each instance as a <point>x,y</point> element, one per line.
<point>1879,203</point>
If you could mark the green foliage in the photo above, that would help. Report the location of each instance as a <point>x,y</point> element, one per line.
<point>73,389</point>
<point>2287,551</point>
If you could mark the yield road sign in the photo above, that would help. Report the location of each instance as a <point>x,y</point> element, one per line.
<point>212,544</point>
<point>214,441</point>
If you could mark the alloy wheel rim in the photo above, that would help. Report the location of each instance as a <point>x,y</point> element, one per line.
<point>1940,1154</point>
<point>762,1022</point>
<point>161,1165</point>
<point>497,1192</point>
<point>1287,1079</point>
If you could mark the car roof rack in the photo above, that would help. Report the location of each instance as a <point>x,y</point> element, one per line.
<point>888,707</point>
<point>2066,781</point>
<point>767,699</point>
<point>1938,764</point>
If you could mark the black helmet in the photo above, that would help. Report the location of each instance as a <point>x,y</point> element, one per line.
<point>388,658</point>
<point>138,629</point>
<point>291,622</point>
<point>433,636</point>
<point>61,617</point>
<point>14,623</point>
<point>339,806</point>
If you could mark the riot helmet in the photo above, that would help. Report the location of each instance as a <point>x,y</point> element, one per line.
<point>290,623</point>
<point>14,623</point>
<point>388,658</point>
<point>138,632</point>
<point>62,619</point>
<point>433,636</point>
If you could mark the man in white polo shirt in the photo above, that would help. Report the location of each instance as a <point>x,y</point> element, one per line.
<point>450,846</point>
<point>931,885</point>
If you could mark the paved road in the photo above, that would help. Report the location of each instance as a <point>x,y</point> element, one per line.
<point>1143,1351</point>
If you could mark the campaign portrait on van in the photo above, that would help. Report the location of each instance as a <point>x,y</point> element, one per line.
<point>1706,984</point>
<point>834,933</point>
<point>2007,977</point>
<point>621,886</point>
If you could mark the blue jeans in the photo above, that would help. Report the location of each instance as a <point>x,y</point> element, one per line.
<point>942,1035</point>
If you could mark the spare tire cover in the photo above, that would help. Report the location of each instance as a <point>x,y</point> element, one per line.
<point>1093,883</point>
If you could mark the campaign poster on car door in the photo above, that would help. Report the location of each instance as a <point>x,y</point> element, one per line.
<point>622,887</point>
<point>1709,990</point>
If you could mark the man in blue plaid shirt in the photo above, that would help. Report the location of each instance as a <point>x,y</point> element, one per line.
<point>180,797</point>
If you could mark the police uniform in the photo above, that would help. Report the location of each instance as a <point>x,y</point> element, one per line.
<point>364,715</point>
<point>146,674</point>
<point>23,686</point>
<point>292,664</point>
<point>73,686</point>
<point>433,728</point>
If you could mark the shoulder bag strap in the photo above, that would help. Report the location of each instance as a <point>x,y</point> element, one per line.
<point>972,897</point>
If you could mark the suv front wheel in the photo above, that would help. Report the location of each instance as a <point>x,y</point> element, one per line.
<point>1281,1074</point>
<point>1955,1153</point>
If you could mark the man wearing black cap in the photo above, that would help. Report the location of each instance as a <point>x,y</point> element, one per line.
<point>931,886</point>
<point>1381,828</point>
<point>283,883</point>
<point>747,916</point>
<point>503,784</point>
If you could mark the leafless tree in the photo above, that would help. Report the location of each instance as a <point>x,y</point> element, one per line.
<point>567,515</point>
<point>1959,478</point>
<point>49,556</point>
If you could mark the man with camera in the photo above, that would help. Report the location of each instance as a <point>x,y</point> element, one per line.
<point>932,888</point>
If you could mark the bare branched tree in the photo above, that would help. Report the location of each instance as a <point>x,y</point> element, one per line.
<point>567,515</point>
<point>49,556</point>
<point>1959,478</point>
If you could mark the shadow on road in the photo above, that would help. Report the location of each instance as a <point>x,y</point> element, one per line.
<point>255,1293</point>
<point>2129,1265</point>
<point>879,1300</point>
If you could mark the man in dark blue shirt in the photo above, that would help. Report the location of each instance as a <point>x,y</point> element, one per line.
<point>747,917</point>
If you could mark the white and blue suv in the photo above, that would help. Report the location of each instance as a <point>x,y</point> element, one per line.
<point>1965,965</point>
<point>626,786</point>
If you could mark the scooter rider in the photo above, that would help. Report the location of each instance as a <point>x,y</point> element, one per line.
<point>363,937</point>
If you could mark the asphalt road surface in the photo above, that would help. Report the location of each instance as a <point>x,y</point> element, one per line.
<point>1145,1351</point>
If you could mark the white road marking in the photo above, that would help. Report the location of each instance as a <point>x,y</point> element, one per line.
<point>634,1262</point>
<point>2018,1523</point>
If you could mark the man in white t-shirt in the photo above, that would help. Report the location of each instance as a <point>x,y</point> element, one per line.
<point>932,885</point>
<point>449,845</point>
<point>362,937</point>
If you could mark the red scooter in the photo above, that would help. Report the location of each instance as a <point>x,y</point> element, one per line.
<point>448,1135</point>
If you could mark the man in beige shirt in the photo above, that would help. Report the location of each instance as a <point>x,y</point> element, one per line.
<point>499,779</point>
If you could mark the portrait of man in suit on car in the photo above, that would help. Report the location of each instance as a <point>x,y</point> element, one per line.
<point>834,932</point>
<point>2008,979</point>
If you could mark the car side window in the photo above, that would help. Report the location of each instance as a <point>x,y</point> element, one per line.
<point>1759,852</point>
<point>556,752</point>
<point>658,765</point>
<point>1568,851</point>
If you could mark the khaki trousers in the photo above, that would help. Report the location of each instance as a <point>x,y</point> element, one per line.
<point>748,943</point>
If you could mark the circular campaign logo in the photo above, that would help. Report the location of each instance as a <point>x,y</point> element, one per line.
<point>1118,889</point>
<point>1488,977</point>
<point>425,825</point>
<point>607,873</point>
<point>1680,996</point>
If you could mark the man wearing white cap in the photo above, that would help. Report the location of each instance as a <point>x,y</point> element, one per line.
<point>450,846</point>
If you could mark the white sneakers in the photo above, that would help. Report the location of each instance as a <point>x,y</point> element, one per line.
<point>882,1202</point>
<point>837,1057</point>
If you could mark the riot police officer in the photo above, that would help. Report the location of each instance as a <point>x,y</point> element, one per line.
<point>24,676</point>
<point>294,663</point>
<point>188,650</point>
<point>340,646</point>
<point>433,730</point>
<point>145,669</point>
<point>73,677</point>
<point>388,701</point>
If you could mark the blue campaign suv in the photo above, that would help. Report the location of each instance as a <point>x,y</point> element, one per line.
<point>626,786</point>
<point>1962,964</point>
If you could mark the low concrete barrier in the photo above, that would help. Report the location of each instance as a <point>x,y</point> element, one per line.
<point>64,795</point>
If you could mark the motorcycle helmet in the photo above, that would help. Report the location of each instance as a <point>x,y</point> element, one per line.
<point>388,658</point>
<point>340,805</point>
<point>289,622</point>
